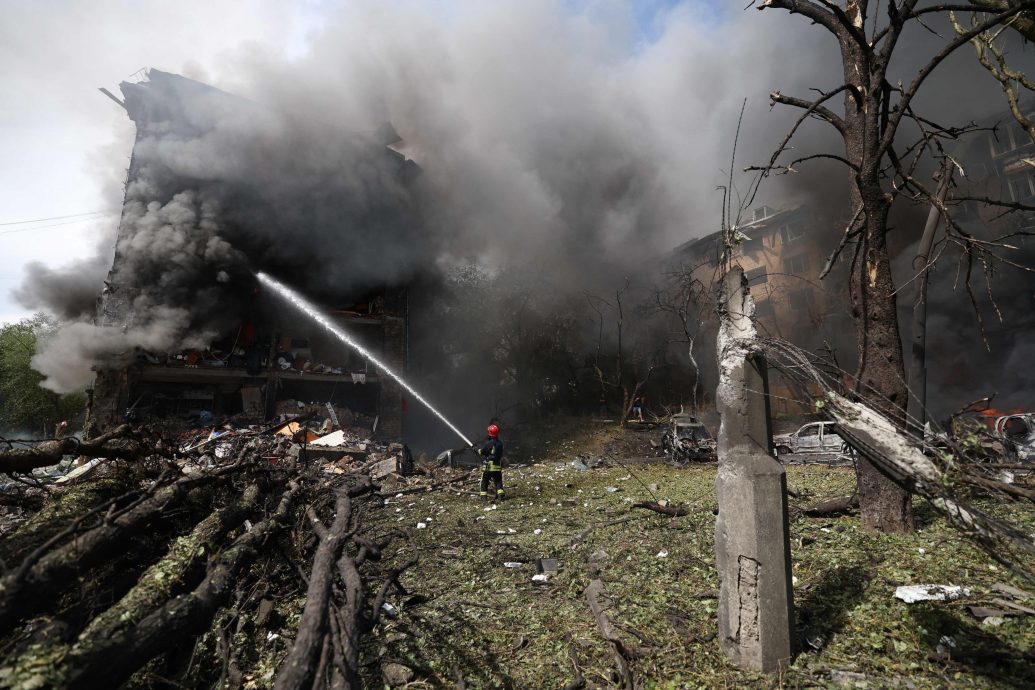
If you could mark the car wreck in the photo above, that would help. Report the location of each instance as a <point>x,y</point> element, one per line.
<point>686,439</point>
<point>1017,432</point>
<point>815,437</point>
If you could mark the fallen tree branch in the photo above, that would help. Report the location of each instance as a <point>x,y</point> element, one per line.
<point>834,506</point>
<point>109,662</point>
<point>297,670</point>
<point>119,443</point>
<point>594,592</point>
<point>157,583</point>
<point>672,511</point>
<point>29,589</point>
<point>578,538</point>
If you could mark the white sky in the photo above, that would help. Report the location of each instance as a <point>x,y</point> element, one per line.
<point>64,145</point>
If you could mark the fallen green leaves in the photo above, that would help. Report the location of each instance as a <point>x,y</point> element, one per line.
<point>494,626</point>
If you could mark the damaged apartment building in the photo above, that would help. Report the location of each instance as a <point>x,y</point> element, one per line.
<point>782,253</point>
<point>256,199</point>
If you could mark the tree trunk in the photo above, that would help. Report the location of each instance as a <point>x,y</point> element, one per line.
<point>881,375</point>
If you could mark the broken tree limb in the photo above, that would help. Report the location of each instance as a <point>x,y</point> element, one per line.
<point>29,589</point>
<point>594,593</point>
<point>297,670</point>
<point>157,583</point>
<point>672,511</point>
<point>578,538</point>
<point>898,454</point>
<point>348,624</point>
<point>119,443</point>
<point>109,662</point>
<point>834,506</point>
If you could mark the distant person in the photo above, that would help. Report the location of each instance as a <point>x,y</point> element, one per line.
<point>637,408</point>
<point>492,463</point>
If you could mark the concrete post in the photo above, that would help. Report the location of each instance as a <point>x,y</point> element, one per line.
<point>752,543</point>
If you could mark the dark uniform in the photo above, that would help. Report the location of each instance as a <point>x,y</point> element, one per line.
<point>492,466</point>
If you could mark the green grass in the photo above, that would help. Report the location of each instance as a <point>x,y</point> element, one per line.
<point>496,628</point>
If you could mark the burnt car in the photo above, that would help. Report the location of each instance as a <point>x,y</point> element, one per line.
<point>815,437</point>
<point>1018,431</point>
<point>687,439</point>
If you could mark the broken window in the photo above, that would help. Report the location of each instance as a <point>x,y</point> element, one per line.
<point>792,231</point>
<point>761,213</point>
<point>751,244</point>
<point>809,431</point>
<point>1007,139</point>
<point>1021,187</point>
<point>757,276</point>
<point>1001,142</point>
<point>796,265</point>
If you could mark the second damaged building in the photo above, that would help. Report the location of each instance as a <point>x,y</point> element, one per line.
<point>217,189</point>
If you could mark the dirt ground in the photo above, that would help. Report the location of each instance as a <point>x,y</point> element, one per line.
<point>474,613</point>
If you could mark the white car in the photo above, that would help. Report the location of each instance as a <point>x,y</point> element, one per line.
<point>815,437</point>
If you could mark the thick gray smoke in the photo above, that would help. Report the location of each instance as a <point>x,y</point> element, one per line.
<point>546,139</point>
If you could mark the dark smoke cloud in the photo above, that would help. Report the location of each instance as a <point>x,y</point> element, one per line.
<point>70,292</point>
<point>547,139</point>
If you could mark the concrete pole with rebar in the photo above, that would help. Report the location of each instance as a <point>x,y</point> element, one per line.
<point>752,542</point>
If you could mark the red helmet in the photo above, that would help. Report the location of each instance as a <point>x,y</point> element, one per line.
<point>494,431</point>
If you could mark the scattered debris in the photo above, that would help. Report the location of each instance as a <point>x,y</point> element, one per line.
<point>914,593</point>
<point>1011,591</point>
<point>548,565</point>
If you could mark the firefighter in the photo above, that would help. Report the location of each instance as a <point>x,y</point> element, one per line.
<point>492,463</point>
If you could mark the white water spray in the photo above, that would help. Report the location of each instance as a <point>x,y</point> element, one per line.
<point>309,310</point>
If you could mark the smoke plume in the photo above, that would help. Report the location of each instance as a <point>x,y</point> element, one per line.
<point>549,139</point>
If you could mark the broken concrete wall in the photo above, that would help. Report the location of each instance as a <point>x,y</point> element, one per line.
<point>752,542</point>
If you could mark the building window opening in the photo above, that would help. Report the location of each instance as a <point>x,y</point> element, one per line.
<point>796,265</point>
<point>789,232</point>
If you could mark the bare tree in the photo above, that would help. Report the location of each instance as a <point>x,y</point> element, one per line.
<point>882,170</point>
<point>684,298</point>
<point>631,365</point>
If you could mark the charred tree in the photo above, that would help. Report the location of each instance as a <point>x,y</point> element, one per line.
<point>878,175</point>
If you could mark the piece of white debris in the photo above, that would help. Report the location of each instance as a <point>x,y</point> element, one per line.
<point>921,551</point>
<point>610,489</point>
<point>512,564</point>
<point>492,507</point>
<point>914,593</point>
<point>663,553</point>
<point>421,525</point>
<point>271,636</point>
<point>537,531</point>
<point>540,578</point>
<point>247,525</point>
<point>511,530</point>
